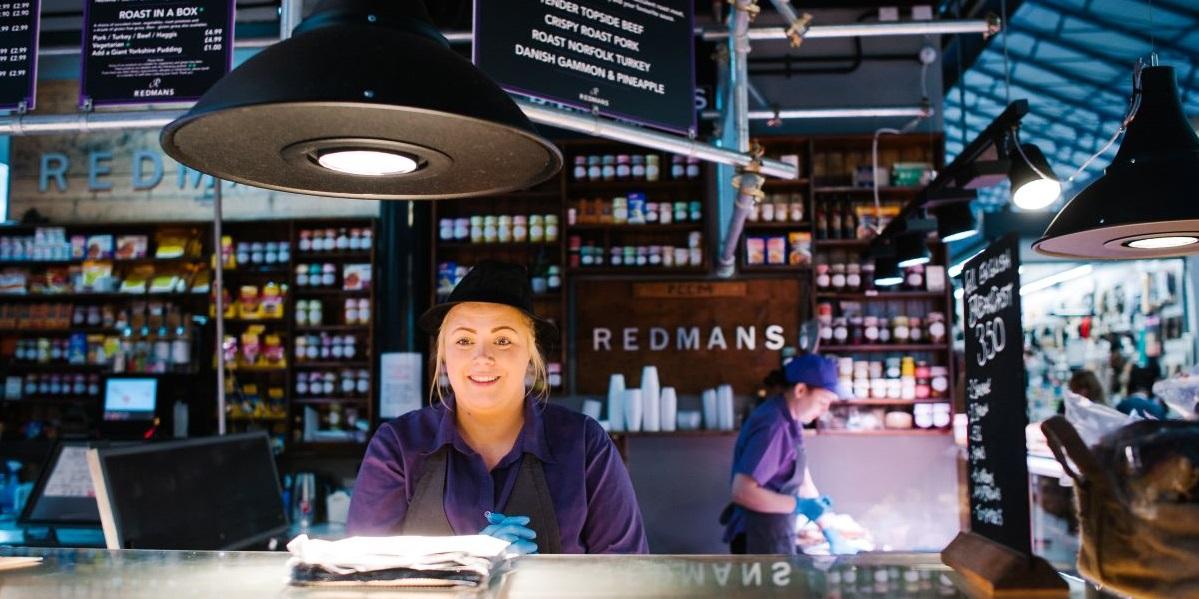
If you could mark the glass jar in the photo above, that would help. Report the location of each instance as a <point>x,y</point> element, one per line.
<point>652,167</point>
<point>884,330</point>
<point>899,329</point>
<point>915,330</point>
<point>580,169</point>
<point>840,330</point>
<point>856,334</point>
<point>936,328</point>
<point>853,276</point>
<point>870,329</point>
<point>923,381</point>
<point>938,382</point>
<point>914,278</point>
<point>638,167</point>
<point>868,276</point>
<point>796,208</point>
<point>823,280</point>
<point>838,277</point>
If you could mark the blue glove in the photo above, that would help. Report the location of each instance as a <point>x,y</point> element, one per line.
<point>837,545</point>
<point>812,507</point>
<point>513,529</point>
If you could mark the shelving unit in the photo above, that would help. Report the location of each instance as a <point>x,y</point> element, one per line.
<point>272,384</point>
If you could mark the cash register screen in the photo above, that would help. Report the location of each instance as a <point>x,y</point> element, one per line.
<point>64,495</point>
<point>130,398</point>
<point>201,494</point>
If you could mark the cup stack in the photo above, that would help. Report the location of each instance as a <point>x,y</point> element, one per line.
<point>651,400</point>
<point>633,410</point>
<point>616,417</point>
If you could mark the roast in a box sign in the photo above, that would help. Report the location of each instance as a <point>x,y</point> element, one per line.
<point>631,59</point>
<point>147,51</point>
<point>18,53</point>
<point>995,400</point>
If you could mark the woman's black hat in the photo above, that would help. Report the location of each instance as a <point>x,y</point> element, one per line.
<point>494,282</point>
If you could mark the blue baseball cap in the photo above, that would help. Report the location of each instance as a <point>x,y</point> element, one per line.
<point>816,371</point>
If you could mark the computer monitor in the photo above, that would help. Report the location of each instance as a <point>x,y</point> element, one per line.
<point>201,494</point>
<point>63,495</point>
<point>130,398</point>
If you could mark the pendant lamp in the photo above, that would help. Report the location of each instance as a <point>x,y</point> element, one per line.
<point>911,250</point>
<point>366,100</point>
<point>1034,186</point>
<point>887,272</point>
<point>1146,204</point>
<point>955,222</point>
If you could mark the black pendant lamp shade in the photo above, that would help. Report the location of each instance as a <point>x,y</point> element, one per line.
<point>366,101</point>
<point>1031,191</point>
<point>955,222</point>
<point>1146,204</point>
<point>911,250</point>
<point>887,272</point>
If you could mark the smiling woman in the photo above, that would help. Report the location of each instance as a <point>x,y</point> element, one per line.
<point>492,444</point>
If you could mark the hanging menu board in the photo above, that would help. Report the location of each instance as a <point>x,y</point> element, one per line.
<point>995,400</point>
<point>630,59</point>
<point>18,54</point>
<point>152,51</point>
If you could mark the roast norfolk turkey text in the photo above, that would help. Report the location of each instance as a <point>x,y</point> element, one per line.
<point>745,338</point>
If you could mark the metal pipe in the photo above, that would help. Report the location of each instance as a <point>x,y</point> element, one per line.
<point>831,113</point>
<point>218,285</point>
<point>291,12</point>
<point>795,25</point>
<point>739,55</point>
<point>748,193</point>
<point>60,124</point>
<point>592,125</point>
<point>983,26</point>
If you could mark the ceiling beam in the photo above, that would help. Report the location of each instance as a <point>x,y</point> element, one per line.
<point>1036,90</point>
<point>958,52</point>
<point>1078,128</point>
<point>1050,67</point>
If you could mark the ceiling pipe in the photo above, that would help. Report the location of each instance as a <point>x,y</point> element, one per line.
<point>832,113</point>
<point>592,125</point>
<point>66,124</point>
<point>748,182</point>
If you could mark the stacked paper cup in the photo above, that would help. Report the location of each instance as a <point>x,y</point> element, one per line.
<point>616,419</point>
<point>650,400</point>
<point>592,408</point>
<point>709,405</point>
<point>724,406</point>
<point>670,407</point>
<point>633,410</point>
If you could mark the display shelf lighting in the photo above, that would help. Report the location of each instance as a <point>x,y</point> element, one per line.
<point>429,123</point>
<point>1034,186</point>
<point>1143,206</point>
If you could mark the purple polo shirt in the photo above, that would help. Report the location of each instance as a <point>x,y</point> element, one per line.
<point>766,452</point>
<point>593,498</point>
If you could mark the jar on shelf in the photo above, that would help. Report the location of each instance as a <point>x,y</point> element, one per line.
<point>923,380</point>
<point>580,169</point>
<point>856,333</point>
<point>551,228</point>
<point>608,167</point>
<point>900,332</point>
<point>884,330</point>
<point>623,167</point>
<point>840,330</point>
<point>938,382</point>
<point>637,167</point>
<point>837,279</point>
<point>914,278</point>
<point>936,328</point>
<point>653,167</point>
<point>504,228</point>
<point>536,228</point>
<point>823,278</point>
<point>796,208</point>
<point>915,330</point>
<point>520,228</point>
<point>867,276</point>
<point>853,276</point>
<point>870,329</point>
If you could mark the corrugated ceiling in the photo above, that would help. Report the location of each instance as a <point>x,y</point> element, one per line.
<point>1073,61</point>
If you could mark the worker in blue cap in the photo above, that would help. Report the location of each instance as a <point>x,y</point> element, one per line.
<point>771,484</point>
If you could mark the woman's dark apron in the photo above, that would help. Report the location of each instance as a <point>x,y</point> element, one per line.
<point>530,497</point>
<point>775,533</point>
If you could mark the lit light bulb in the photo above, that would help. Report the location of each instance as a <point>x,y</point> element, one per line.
<point>370,163</point>
<point>1037,194</point>
<point>1158,243</point>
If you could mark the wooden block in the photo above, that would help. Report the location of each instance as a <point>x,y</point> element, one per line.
<point>994,570</point>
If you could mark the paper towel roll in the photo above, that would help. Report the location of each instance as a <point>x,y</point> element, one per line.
<point>724,405</point>
<point>616,402</point>
<point>633,408</point>
<point>592,408</point>
<point>651,415</point>
<point>709,404</point>
<point>670,408</point>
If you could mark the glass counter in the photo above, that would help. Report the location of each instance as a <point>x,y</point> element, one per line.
<point>131,574</point>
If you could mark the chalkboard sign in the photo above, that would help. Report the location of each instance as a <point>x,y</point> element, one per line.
<point>18,54</point>
<point>995,400</point>
<point>154,51</point>
<point>630,59</point>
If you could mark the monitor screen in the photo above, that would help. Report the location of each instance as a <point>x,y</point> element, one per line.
<point>64,495</point>
<point>200,494</point>
<point>130,398</point>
